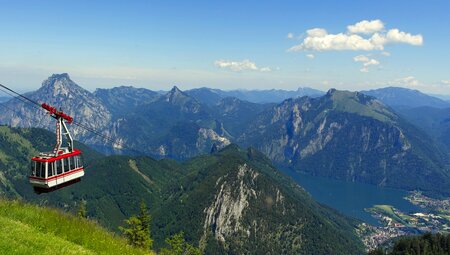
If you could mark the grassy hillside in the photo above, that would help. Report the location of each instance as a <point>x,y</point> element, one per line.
<point>29,229</point>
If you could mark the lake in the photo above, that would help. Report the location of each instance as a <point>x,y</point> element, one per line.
<point>351,198</point>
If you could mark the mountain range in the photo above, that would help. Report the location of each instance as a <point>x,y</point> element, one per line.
<point>343,135</point>
<point>402,97</point>
<point>212,96</point>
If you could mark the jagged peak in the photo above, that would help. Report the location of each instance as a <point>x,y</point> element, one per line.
<point>175,95</point>
<point>57,78</point>
<point>331,91</point>
<point>175,89</point>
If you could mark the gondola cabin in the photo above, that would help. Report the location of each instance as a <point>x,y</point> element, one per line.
<point>48,171</point>
<point>63,165</point>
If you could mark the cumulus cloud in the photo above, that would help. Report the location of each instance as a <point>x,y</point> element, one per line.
<point>366,27</point>
<point>319,40</point>
<point>366,61</point>
<point>361,58</point>
<point>409,81</point>
<point>310,56</point>
<point>239,66</point>
<point>397,36</point>
<point>364,35</point>
<point>385,53</point>
<point>290,36</point>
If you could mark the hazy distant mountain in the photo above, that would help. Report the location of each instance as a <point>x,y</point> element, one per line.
<point>206,95</point>
<point>352,137</point>
<point>236,114</point>
<point>443,97</point>
<point>124,99</point>
<point>212,96</point>
<point>434,121</point>
<point>395,96</point>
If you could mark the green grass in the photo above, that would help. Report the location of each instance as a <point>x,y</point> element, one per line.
<point>349,102</point>
<point>29,229</point>
<point>388,211</point>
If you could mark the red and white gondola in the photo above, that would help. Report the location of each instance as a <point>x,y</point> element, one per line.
<point>63,165</point>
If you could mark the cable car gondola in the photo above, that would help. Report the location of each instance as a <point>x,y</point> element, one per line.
<point>63,165</point>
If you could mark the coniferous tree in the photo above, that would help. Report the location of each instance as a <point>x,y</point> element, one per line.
<point>427,244</point>
<point>178,246</point>
<point>137,230</point>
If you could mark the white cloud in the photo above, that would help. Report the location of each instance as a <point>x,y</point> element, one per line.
<point>290,36</point>
<point>319,40</point>
<point>265,69</point>
<point>310,56</point>
<point>367,62</point>
<point>366,27</point>
<point>372,38</point>
<point>361,58</point>
<point>386,54</point>
<point>409,81</point>
<point>239,66</point>
<point>397,36</point>
<point>317,32</point>
<point>372,62</point>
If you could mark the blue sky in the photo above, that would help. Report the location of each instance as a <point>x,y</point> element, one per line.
<point>227,44</point>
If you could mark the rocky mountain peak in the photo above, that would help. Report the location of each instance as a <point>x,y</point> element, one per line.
<point>175,89</point>
<point>60,85</point>
<point>331,91</point>
<point>60,76</point>
<point>177,97</point>
<point>174,94</point>
<point>60,91</point>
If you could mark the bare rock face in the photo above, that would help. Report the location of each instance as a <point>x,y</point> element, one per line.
<point>206,136</point>
<point>224,215</point>
<point>234,216</point>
